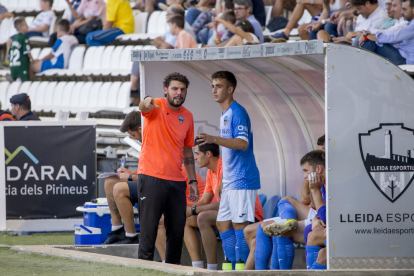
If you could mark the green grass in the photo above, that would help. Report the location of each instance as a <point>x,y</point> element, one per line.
<point>38,239</point>
<point>15,264</point>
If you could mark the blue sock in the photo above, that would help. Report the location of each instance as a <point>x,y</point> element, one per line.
<point>286,210</point>
<point>317,266</point>
<point>285,252</point>
<point>242,249</point>
<point>229,245</point>
<point>311,255</point>
<point>263,249</point>
<point>274,263</point>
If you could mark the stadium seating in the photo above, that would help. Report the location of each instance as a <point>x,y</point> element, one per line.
<point>74,97</point>
<point>263,199</point>
<point>270,209</point>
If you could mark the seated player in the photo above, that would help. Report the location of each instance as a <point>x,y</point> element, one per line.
<point>315,233</point>
<point>256,237</point>
<point>313,164</point>
<point>61,51</point>
<point>203,213</point>
<point>132,125</point>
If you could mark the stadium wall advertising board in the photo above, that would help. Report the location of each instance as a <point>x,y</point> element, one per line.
<point>49,169</point>
<point>370,160</point>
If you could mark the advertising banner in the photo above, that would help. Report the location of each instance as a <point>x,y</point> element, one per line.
<point>49,170</point>
<point>370,131</point>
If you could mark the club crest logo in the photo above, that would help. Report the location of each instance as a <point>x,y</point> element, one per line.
<point>181,119</point>
<point>226,118</point>
<point>388,156</point>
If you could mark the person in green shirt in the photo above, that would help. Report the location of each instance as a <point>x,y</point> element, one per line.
<point>20,56</point>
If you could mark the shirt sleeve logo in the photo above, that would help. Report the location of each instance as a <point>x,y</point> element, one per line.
<point>181,119</point>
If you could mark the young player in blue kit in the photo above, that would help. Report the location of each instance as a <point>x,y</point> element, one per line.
<point>241,178</point>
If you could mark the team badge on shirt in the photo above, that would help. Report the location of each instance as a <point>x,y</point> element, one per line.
<point>226,118</point>
<point>181,119</point>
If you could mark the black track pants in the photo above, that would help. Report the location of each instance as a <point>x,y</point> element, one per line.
<point>156,197</point>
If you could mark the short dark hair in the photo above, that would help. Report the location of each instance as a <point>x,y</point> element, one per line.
<point>213,148</point>
<point>246,3</point>
<point>177,77</point>
<point>229,16</point>
<point>132,122</point>
<point>228,4</point>
<point>178,11</point>
<point>246,26</point>
<point>177,20</point>
<point>314,158</point>
<point>411,3</point>
<point>18,22</point>
<point>64,25</point>
<point>363,2</point>
<point>27,105</point>
<point>321,140</point>
<point>228,76</point>
<point>50,2</point>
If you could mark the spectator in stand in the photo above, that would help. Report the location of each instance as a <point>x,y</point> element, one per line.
<point>243,33</point>
<point>167,40</point>
<point>220,33</point>
<point>329,7</point>
<point>5,115</point>
<point>243,11</point>
<point>21,108</point>
<point>40,25</point>
<point>4,13</point>
<point>119,21</point>
<point>370,18</point>
<point>184,39</point>
<point>150,6</point>
<point>20,52</point>
<point>314,7</point>
<point>280,5</point>
<point>396,46</point>
<point>60,54</point>
<point>88,17</point>
<point>194,11</point>
<point>204,23</point>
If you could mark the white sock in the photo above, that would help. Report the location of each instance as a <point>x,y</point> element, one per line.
<point>130,235</point>
<point>116,227</point>
<point>163,261</point>
<point>199,264</point>
<point>212,266</point>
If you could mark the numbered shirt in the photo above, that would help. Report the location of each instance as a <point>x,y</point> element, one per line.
<point>239,167</point>
<point>18,52</point>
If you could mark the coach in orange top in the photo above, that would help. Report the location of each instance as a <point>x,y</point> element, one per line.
<point>167,141</point>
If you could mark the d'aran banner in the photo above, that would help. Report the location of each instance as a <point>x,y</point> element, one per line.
<point>49,170</point>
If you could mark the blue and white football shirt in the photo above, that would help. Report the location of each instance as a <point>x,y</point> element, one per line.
<point>239,167</point>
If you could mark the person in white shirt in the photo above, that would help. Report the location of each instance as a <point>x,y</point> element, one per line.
<point>370,17</point>
<point>41,24</point>
<point>61,51</point>
<point>399,24</point>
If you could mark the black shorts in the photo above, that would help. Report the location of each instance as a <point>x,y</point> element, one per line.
<point>133,191</point>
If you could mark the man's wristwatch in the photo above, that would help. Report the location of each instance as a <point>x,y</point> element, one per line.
<point>193,211</point>
<point>192,181</point>
<point>130,177</point>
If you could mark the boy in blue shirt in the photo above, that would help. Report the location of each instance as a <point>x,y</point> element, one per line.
<point>61,51</point>
<point>241,178</point>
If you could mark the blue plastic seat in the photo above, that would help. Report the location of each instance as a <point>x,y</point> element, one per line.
<point>263,199</point>
<point>270,208</point>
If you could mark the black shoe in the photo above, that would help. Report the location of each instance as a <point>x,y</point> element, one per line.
<point>130,240</point>
<point>115,236</point>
